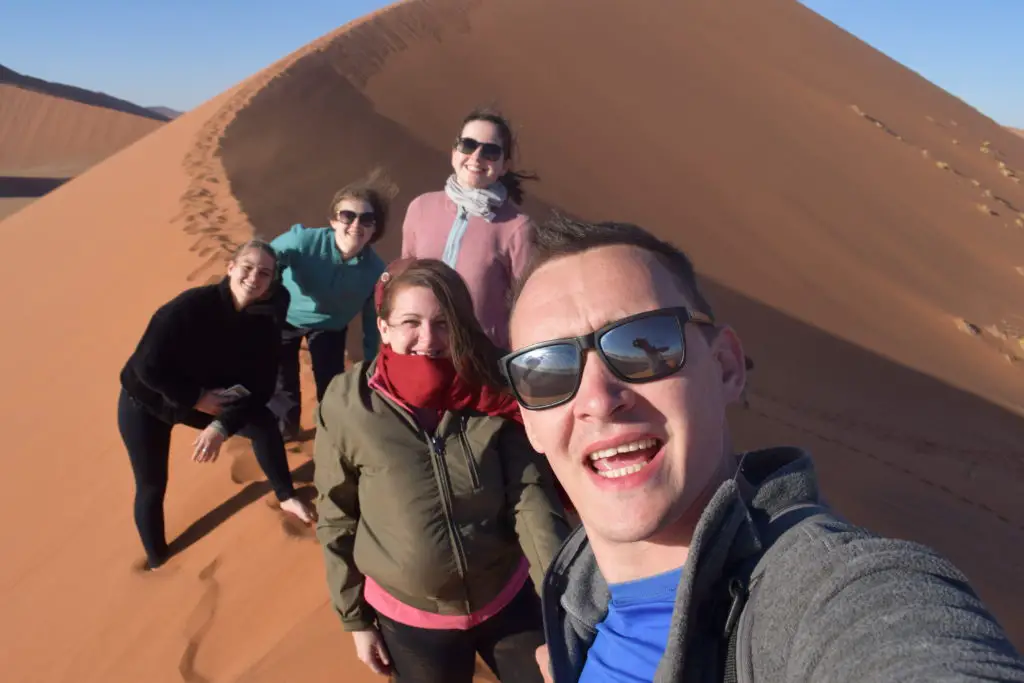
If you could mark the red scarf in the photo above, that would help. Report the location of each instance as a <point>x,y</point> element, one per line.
<point>432,383</point>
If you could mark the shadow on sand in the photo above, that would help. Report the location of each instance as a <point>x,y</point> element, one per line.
<point>251,493</point>
<point>27,187</point>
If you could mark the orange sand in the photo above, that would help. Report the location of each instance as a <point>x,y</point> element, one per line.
<point>786,156</point>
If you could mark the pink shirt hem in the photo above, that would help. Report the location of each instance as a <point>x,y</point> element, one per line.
<point>396,610</point>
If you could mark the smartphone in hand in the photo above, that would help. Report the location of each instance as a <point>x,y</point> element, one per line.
<point>234,393</point>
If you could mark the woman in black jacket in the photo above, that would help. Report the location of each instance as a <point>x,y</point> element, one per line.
<point>208,359</point>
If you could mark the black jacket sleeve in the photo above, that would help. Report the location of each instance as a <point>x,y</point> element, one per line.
<point>261,376</point>
<point>158,357</point>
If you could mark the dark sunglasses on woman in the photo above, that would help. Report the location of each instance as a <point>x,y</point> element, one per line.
<point>488,150</point>
<point>367,220</point>
<point>640,348</point>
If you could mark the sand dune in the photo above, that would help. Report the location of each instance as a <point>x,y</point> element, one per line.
<point>166,112</point>
<point>829,196</point>
<point>51,133</point>
<point>76,94</point>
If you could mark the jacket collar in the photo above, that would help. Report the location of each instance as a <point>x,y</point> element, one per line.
<point>446,424</point>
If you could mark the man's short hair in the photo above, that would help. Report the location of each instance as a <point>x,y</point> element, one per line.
<point>563,236</point>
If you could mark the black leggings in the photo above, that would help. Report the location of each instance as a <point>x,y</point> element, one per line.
<point>327,353</point>
<point>148,441</point>
<point>507,642</point>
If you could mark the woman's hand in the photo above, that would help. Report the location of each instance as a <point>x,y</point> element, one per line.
<point>371,651</point>
<point>211,402</point>
<point>207,444</point>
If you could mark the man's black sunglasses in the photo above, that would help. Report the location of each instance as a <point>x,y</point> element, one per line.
<point>640,348</point>
<point>488,150</point>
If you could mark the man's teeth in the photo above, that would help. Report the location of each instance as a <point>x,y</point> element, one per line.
<point>625,470</point>
<point>622,471</point>
<point>624,448</point>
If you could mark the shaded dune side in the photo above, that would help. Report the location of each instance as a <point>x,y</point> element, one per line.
<point>835,245</point>
<point>76,94</point>
<point>46,134</point>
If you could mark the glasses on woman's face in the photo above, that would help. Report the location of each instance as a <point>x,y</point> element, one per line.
<point>366,220</point>
<point>640,348</point>
<point>488,150</point>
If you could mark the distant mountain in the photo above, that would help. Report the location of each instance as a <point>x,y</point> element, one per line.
<point>167,111</point>
<point>70,92</point>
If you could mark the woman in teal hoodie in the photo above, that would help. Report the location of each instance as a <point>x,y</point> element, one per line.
<point>330,273</point>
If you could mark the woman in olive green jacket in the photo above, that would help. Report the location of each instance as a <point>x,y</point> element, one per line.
<point>436,516</point>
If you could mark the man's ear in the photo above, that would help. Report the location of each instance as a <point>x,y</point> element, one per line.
<point>727,349</point>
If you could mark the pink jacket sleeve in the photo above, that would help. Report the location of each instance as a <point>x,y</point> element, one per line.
<point>409,230</point>
<point>519,248</point>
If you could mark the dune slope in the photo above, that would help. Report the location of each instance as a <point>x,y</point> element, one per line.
<point>49,138</point>
<point>786,156</point>
<point>71,92</point>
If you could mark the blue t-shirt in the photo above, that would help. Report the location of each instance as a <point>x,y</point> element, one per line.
<point>632,637</point>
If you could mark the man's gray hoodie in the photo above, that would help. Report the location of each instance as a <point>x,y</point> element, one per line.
<point>829,603</point>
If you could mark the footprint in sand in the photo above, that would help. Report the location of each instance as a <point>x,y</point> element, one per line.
<point>245,468</point>
<point>1006,337</point>
<point>199,623</point>
<point>877,123</point>
<point>967,327</point>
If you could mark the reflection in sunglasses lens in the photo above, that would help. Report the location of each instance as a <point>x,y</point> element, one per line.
<point>545,375</point>
<point>646,348</point>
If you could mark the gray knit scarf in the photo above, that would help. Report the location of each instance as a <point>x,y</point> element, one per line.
<point>482,203</point>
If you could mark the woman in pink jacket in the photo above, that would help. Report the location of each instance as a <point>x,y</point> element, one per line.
<point>475,225</point>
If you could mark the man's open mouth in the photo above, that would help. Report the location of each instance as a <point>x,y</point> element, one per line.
<point>625,459</point>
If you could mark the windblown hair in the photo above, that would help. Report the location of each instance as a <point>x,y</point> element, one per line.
<point>512,180</point>
<point>377,189</point>
<point>473,354</point>
<point>562,236</point>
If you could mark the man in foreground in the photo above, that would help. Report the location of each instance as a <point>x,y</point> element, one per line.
<point>692,563</point>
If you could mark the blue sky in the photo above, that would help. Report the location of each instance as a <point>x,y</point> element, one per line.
<point>180,53</point>
<point>970,48</point>
<point>176,53</point>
